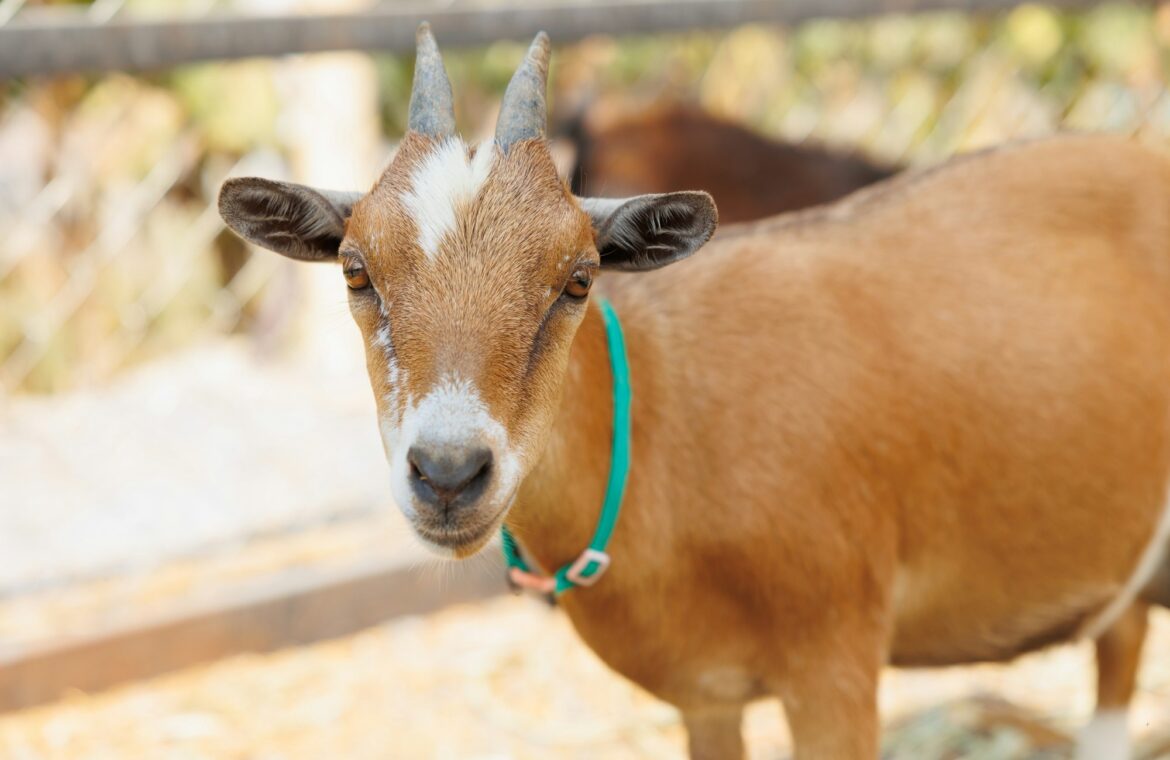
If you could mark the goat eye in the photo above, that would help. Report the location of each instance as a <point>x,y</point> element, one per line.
<point>579,283</point>
<point>356,277</point>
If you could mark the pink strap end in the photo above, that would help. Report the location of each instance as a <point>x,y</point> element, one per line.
<point>531,581</point>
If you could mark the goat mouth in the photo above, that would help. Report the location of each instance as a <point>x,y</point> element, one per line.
<point>461,541</point>
<point>456,543</point>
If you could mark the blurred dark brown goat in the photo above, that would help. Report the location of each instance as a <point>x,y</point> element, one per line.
<point>675,146</point>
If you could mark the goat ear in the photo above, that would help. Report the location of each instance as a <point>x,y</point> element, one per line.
<point>294,220</point>
<point>650,231</point>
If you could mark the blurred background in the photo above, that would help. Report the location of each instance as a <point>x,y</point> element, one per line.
<point>198,552</point>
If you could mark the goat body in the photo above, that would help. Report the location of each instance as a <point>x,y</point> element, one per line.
<point>927,425</point>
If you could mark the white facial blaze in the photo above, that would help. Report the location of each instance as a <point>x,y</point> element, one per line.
<point>451,414</point>
<point>446,180</point>
<point>395,379</point>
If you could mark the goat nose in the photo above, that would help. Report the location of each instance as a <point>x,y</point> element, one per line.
<point>449,478</point>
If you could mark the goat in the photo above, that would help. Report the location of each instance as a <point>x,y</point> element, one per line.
<point>676,147</point>
<point>926,425</point>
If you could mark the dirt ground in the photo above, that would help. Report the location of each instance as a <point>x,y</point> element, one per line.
<point>509,679</point>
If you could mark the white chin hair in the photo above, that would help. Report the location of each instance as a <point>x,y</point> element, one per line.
<point>443,552</point>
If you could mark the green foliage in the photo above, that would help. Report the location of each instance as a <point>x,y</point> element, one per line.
<point>235,105</point>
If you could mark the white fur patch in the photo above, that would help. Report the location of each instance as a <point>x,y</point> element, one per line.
<point>382,337</point>
<point>726,684</point>
<point>389,422</point>
<point>1148,563</point>
<point>451,414</point>
<point>1106,737</point>
<point>442,552</point>
<point>446,180</point>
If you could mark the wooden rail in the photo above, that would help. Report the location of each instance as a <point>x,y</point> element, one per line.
<point>51,41</point>
<point>289,608</point>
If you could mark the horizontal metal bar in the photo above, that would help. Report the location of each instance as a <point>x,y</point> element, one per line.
<point>44,42</point>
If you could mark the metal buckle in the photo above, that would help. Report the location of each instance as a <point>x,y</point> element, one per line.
<point>589,556</point>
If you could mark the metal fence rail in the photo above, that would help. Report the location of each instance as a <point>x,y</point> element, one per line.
<point>113,251</point>
<point>55,43</point>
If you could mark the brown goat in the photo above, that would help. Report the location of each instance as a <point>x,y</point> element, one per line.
<point>928,424</point>
<point>677,147</point>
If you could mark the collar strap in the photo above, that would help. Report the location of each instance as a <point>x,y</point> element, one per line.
<point>592,563</point>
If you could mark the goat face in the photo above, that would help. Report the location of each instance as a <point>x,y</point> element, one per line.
<point>469,271</point>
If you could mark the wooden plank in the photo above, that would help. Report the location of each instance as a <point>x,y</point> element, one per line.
<point>297,607</point>
<point>49,41</point>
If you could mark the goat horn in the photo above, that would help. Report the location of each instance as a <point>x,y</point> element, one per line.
<point>523,112</point>
<point>432,107</point>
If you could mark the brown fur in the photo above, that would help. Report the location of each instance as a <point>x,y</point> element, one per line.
<point>1118,657</point>
<point>677,147</point>
<point>485,273</point>
<point>896,430</point>
<point>494,274</point>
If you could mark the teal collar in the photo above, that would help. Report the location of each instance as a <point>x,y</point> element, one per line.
<point>591,564</point>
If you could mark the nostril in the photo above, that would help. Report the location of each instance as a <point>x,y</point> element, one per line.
<point>446,476</point>
<point>480,465</point>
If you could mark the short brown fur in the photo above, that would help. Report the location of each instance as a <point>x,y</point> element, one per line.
<point>484,273</point>
<point>884,433</point>
<point>675,147</point>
